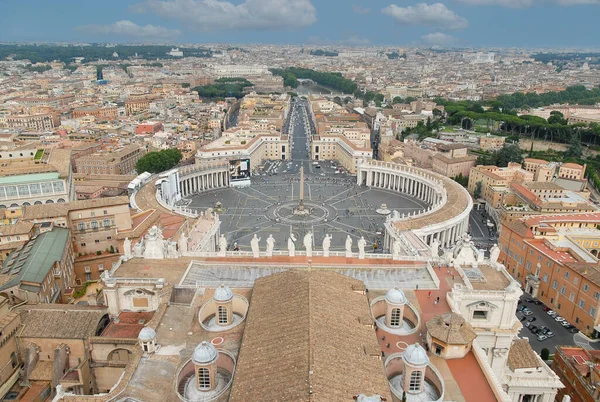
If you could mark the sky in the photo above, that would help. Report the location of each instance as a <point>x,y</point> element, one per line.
<point>447,23</point>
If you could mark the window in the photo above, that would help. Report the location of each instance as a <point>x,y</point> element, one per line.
<point>94,225</point>
<point>105,212</point>
<point>528,266</point>
<point>567,274</point>
<point>106,222</point>
<point>596,295</point>
<point>203,378</point>
<point>575,281</point>
<point>585,287</point>
<point>554,284</point>
<point>582,303</point>
<point>546,278</point>
<point>563,290</point>
<point>222,311</point>
<point>572,296</point>
<point>81,226</point>
<point>415,381</point>
<point>395,317</point>
<point>592,311</point>
<point>100,267</point>
<point>93,214</point>
<point>480,315</point>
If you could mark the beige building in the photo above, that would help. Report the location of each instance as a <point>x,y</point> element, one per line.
<point>542,170</point>
<point>341,149</point>
<point>491,143</point>
<point>571,171</point>
<point>10,361</point>
<point>121,161</point>
<point>453,160</point>
<point>39,122</point>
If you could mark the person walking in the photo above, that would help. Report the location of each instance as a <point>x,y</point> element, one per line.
<point>429,294</point>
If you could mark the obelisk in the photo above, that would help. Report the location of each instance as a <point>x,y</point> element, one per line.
<point>301,184</point>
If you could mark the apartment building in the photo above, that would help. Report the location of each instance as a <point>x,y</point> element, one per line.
<point>554,257</point>
<point>542,170</point>
<point>491,176</point>
<point>135,106</point>
<point>120,161</point>
<point>452,160</point>
<point>579,370</point>
<point>14,235</point>
<point>149,127</point>
<point>571,171</point>
<point>42,270</point>
<point>339,148</point>
<point>38,122</point>
<point>491,142</point>
<point>100,113</point>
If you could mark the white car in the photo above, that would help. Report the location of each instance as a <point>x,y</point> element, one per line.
<point>559,318</point>
<point>541,337</point>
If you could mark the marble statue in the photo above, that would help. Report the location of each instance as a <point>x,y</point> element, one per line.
<point>326,244</point>
<point>154,244</point>
<point>308,243</point>
<point>361,247</point>
<point>172,250</point>
<point>292,245</point>
<point>494,254</point>
<point>396,249</point>
<point>348,246</point>
<point>396,215</point>
<point>222,245</point>
<point>254,244</point>
<point>270,245</point>
<point>138,250</point>
<point>127,248</point>
<point>183,243</point>
<point>435,248</point>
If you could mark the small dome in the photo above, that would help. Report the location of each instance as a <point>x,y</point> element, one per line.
<point>395,296</point>
<point>223,293</point>
<point>415,356</point>
<point>205,353</point>
<point>147,334</point>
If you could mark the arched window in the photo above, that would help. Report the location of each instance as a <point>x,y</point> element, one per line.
<point>106,222</point>
<point>416,377</point>
<point>203,378</point>
<point>222,312</point>
<point>395,317</point>
<point>94,225</point>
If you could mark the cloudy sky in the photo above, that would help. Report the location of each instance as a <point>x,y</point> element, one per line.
<point>505,23</point>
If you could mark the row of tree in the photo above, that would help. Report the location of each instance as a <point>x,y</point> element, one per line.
<point>223,88</point>
<point>330,80</point>
<point>159,161</point>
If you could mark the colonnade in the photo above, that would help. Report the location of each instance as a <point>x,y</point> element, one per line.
<point>202,181</point>
<point>415,186</point>
<point>442,224</point>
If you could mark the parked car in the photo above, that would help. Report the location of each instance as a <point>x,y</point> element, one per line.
<point>521,307</point>
<point>546,309</point>
<point>534,329</point>
<point>565,324</point>
<point>531,319</point>
<point>552,313</point>
<point>527,312</point>
<point>522,317</point>
<point>541,337</point>
<point>527,325</point>
<point>558,319</point>
<point>549,334</point>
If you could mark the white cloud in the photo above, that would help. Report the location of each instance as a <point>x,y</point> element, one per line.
<point>130,30</point>
<point>360,10</point>
<point>526,3</point>
<point>438,38</point>
<point>434,15</point>
<point>206,15</point>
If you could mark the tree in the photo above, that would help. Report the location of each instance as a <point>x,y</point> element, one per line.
<point>545,354</point>
<point>510,153</point>
<point>574,149</point>
<point>477,191</point>
<point>557,117</point>
<point>397,99</point>
<point>155,162</point>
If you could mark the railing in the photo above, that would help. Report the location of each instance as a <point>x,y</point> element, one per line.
<point>493,382</point>
<point>377,256</point>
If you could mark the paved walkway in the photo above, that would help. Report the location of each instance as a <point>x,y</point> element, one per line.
<point>461,376</point>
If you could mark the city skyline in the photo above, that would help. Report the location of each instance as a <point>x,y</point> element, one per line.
<point>458,23</point>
